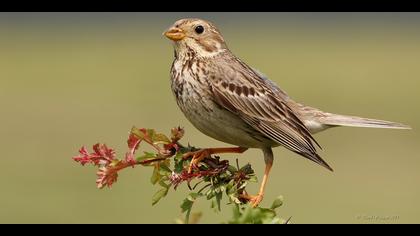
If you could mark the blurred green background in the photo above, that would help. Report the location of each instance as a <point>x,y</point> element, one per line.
<point>73,79</point>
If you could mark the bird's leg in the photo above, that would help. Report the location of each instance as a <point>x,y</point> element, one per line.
<point>201,154</point>
<point>256,199</point>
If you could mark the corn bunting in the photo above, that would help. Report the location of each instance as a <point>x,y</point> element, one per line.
<point>230,101</point>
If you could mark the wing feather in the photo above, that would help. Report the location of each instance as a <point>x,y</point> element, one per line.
<point>264,108</point>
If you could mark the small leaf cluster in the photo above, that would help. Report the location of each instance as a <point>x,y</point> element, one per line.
<point>212,179</point>
<point>250,215</point>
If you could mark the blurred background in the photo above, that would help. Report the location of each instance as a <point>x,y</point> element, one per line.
<point>73,79</point>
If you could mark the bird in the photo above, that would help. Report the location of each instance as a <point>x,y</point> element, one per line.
<point>229,101</point>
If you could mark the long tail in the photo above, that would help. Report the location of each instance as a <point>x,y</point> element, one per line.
<point>354,121</point>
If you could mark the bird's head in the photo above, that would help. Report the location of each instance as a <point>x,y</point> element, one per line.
<point>196,36</point>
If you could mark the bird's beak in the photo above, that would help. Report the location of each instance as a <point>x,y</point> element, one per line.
<point>174,34</point>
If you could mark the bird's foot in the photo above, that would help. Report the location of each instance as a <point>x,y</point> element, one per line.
<point>196,158</point>
<point>255,200</point>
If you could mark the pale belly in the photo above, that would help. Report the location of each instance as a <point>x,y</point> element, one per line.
<point>219,123</point>
<point>222,125</point>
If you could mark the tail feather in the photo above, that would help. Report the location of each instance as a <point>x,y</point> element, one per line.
<point>354,121</point>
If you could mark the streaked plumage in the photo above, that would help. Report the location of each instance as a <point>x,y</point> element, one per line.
<point>228,100</point>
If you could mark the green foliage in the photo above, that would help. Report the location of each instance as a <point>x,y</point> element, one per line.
<point>250,215</point>
<point>214,180</point>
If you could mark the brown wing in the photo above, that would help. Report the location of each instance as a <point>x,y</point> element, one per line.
<point>262,106</point>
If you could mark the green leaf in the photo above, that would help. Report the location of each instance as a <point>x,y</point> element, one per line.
<point>213,204</point>
<point>178,156</point>
<point>247,169</point>
<point>219,196</point>
<point>248,216</point>
<point>179,163</point>
<point>210,194</point>
<point>159,195</point>
<point>253,179</point>
<point>236,211</point>
<point>163,184</point>
<point>278,202</point>
<point>160,138</point>
<point>243,185</point>
<point>231,187</point>
<point>235,199</point>
<point>251,215</point>
<point>151,133</point>
<point>165,169</point>
<point>150,154</point>
<point>136,132</point>
<point>146,156</point>
<point>187,204</point>
<point>232,169</point>
<point>155,175</point>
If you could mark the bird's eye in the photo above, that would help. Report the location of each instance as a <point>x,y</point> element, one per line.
<point>199,29</point>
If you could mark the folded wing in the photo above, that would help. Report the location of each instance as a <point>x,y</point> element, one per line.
<point>262,105</point>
